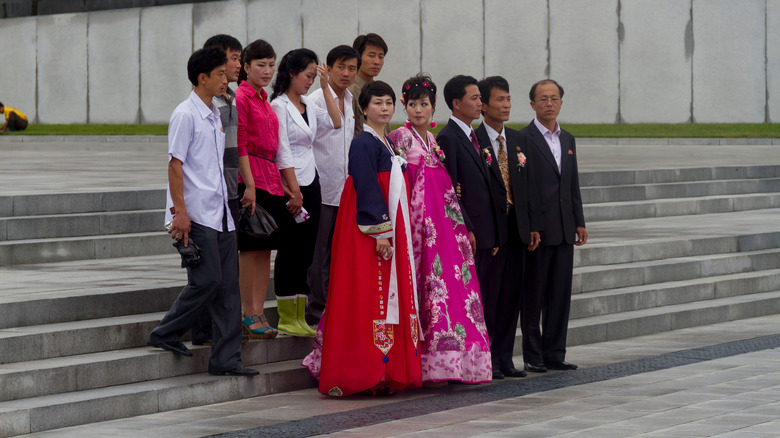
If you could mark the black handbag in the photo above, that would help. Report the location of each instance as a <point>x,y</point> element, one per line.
<point>259,225</point>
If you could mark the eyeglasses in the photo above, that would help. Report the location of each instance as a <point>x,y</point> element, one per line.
<point>545,100</point>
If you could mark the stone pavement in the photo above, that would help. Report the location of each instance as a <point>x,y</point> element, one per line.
<point>717,380</point>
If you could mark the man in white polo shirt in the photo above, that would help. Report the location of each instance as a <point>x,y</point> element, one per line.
<point>197,210</point>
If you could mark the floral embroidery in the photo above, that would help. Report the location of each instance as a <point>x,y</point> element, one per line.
<point>439,153</point>
<point>376,229</point>
<point>415,328</point>
<point>520,159</point>
<point>383,336</point>
<point>452,208</point>
<point>488,158</point>
<point>430,233</point>
<point>465,247</point>
<point>447,340</point>
<point>474,311</point>
<point>466,273</point>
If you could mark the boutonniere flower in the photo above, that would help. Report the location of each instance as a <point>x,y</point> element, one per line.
<point>520,159</point>
<point>400,152</point>
<point>439,153</point>
<point>570,152</point>
<point>488,158</point>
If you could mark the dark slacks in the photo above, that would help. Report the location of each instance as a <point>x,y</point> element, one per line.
<point>212,285</point>
<point>547,297</point>
<point>201,330</point>
<point>319,272</point>
<point>501,295</point>
<point>296,245</point>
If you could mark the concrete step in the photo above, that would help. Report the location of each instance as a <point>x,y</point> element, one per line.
<point>17,252</point>
<point>93,405</point>
<point>681,206</point>
<point>627,299</point>
<point>594,278</point>
<point>81,224</point>
<point>642,192</point>
<point>22,380</point>
<point>87,202</point>
<point>672,175</point>
<point>627,250</point>
<point>660,319</point>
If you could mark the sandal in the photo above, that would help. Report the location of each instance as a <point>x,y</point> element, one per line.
<point>266,332</point>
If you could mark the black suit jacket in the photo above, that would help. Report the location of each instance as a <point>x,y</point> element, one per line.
<point>560,201</point>
<point>524,194</point>
<point>469,168</point>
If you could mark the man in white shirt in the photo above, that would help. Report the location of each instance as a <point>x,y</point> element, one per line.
<point>331,151</point>
<point>198,213</point>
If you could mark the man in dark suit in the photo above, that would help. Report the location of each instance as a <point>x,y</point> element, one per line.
<point>549,268</point>
<point>518,216</point>
<point>467,164</point>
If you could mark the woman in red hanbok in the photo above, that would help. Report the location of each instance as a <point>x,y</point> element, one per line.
<point>369,336</point>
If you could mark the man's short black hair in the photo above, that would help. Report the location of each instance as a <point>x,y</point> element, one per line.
<point>532,93</point>
<point>342,53</point>
<point>369,39</point>
<point>376,88</point>
<point>224,42</point>
<point>204,61</point>
<point>487,85</point>
<point>1,105</point>
<point>455,88</point>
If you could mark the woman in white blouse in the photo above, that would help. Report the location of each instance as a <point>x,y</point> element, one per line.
<point>299,120</point>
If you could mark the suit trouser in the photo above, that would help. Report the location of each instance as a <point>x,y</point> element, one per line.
<point>319,272</point>
<point>501,298</point>
<point>212,285</point>
<point>201,329</point>
<point>296,245</point>
<point>548,276</point>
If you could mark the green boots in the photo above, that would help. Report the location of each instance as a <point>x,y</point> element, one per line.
<point>292,316</point>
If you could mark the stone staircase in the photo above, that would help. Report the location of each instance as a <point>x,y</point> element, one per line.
<point>85,277</point>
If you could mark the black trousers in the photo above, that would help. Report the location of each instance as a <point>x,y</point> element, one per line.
<point>547,300</point>
<point>501,296</point>
<point>319,272</point>
<point>211,286</point>
<point>296,245</point>
<point>16,123</point>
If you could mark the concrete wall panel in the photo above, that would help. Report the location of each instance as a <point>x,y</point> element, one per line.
<point>452,42</point>
<point>62,68</point>
<point>655,61</point>
<point>113,66</point>
<point>18,71</point>
<point>279,22</point>
<point>729,61</point>
<point>584,58</point>
<point>209,19</point>
<point>773,60</point>
<point>166,45</point>
<point>328,23</point>
<point>516,48</point>
<point>402,35</point>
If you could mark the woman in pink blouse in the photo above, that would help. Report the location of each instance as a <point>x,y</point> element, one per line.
<point>258,138</point>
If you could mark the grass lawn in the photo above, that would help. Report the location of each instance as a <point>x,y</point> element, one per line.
<point>681,130</point>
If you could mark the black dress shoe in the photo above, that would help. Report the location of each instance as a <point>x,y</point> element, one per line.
<point>497,375</point>
<point>513,372</point>
<point>563,366</point>
<point>237,371</point>
<point>174,347</point>
<point>535,367</point>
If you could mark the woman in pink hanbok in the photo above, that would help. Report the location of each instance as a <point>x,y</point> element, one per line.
<point>455,345</point>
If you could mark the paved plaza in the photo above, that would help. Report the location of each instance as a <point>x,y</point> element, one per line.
<point>716,380</point>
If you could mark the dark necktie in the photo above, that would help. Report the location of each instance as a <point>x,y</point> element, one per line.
<point>474,140</point>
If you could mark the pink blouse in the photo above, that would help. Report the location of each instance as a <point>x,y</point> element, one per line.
<point>258,137</point>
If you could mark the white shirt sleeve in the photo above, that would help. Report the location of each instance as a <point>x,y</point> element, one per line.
<point>284,158</point>
<point>180,135</point>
